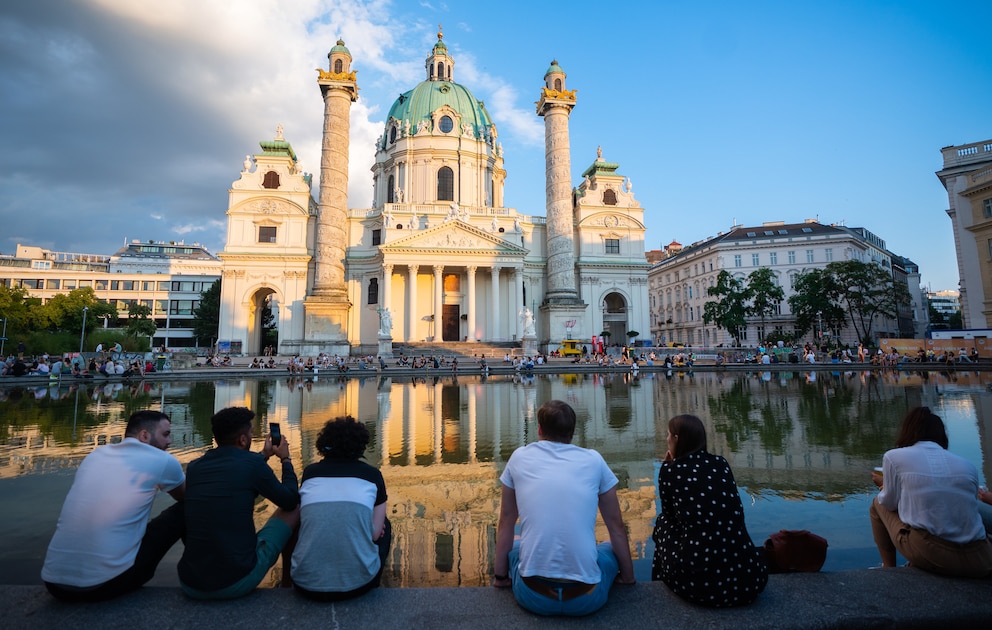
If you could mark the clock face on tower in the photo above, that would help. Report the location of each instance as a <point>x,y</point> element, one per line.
<point>611,221</point>
<point>446,124</point>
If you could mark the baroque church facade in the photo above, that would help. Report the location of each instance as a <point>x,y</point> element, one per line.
<point>438,258</point>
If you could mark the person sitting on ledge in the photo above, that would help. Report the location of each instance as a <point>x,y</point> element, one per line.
<point>927,508</point>
<point>704,554</point>
<point>224,556</point>
<point>344,535</point>
<point>554,487</point>
<point>104,544</point>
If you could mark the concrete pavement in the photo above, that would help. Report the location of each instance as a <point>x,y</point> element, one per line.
<point>882,598</point>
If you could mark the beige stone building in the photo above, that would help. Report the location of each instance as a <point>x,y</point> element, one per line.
<point>967,177</point>
<point>439,258</point>
<point>167,277</point>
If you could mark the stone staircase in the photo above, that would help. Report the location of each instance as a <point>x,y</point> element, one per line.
<point>466,349</point>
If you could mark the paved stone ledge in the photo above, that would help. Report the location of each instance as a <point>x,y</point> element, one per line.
<point>885,598</point>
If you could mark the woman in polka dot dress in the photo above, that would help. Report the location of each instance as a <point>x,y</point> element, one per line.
<point>702,549</point>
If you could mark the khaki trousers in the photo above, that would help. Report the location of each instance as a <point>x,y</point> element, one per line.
<point>926,551</point>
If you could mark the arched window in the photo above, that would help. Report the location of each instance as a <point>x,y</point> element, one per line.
<point>558,84</point>
<point>271,180</point>
<point>609,197</point>
<point>440,70</point>
<point>338,66</point>
<point>373,291</point>
<point>390,197</point>
<point>392,135</point>
<point>445,184</point>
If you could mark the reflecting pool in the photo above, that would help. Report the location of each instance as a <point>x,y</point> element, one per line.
<point>801,445</point>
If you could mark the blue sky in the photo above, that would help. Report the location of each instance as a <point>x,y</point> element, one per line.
<point>128,119</point>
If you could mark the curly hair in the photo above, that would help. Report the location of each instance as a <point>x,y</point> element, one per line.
<point>343,438</point>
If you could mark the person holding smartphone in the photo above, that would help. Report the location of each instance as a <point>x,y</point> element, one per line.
<point>224,556</point>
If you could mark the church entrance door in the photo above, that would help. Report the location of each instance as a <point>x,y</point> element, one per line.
<point>450,322</point>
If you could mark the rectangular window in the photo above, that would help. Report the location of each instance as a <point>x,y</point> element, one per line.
<point>987,205</point>
<point>266,234</point>
<point>990,248</point>
<point>164,285</point>
<point>33,284</point>
<point>612,246</point>
<point>184,286</point>
<point>69,284</point>
<point>161,307</point>
<point>755,260</point>
<point>809,255</point>
<point>376,237</point>
<point>85,283</point>
<point>737,260</point>
<point>53,284</point>
<point>101,285</point>
<point>41,264</point>
<point>773,258</point>
<point>182,307</point>
<point>147,286</point>
<point>115,285</point>
<point>829,253</point>
<point>792,258</point>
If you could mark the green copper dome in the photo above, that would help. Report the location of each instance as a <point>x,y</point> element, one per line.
<point>554,68</point>
<point>422,101</point>
<point>339,48</point>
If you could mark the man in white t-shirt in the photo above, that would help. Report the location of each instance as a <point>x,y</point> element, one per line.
<point>555,488</point>
<point>104,544</point>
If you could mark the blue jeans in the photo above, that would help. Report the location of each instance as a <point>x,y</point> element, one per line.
<point>583,605</point>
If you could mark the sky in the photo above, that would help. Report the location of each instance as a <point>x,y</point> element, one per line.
<point>130,119</point>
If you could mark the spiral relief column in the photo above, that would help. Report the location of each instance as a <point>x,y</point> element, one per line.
<point>561,299</point>
<point>327,306</point>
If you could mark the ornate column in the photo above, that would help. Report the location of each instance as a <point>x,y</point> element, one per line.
<point>327,304</point>
<point>494,333</point>
<point>555,105</point>
<point>411,307</point>
<point>470,271</point>
<point>438,300</point>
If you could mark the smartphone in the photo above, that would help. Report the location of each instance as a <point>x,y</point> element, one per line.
<point>275,433</point>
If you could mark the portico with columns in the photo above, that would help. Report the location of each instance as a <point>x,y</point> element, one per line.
<point>453,282</point>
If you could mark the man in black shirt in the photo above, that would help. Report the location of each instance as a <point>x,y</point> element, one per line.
<point>224,557</point>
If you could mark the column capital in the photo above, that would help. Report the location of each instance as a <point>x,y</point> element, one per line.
<point>438,270</point>
<point>495,269</point>
<point>387,269</point>
<point>413,269</point>
<point>472,269</point>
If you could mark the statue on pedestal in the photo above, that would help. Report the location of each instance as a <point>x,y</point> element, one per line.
<point>385,322</point>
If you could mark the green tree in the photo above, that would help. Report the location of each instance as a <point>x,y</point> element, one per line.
<point>938,320</point>
<point>815,299</point>
<point>15,308</point>
<point>730,310</point>
<point>206,316</point>
<point>867,293</point>
<point>64,311</point>
<point>766,294</point>
<point>139,321</point>
<point>955,321</point>
<point>270,327</point>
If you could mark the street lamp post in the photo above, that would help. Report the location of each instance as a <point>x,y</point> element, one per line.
<point>3,336</point>
<point>819,326</point>
<point>82,333</point>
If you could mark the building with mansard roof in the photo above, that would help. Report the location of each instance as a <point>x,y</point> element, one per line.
<point>438,257</point>
<point>678,283</point>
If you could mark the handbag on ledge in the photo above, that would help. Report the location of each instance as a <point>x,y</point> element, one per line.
<point>795,551</point>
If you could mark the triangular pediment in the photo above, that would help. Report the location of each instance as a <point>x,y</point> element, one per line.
<point>453,236</point>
